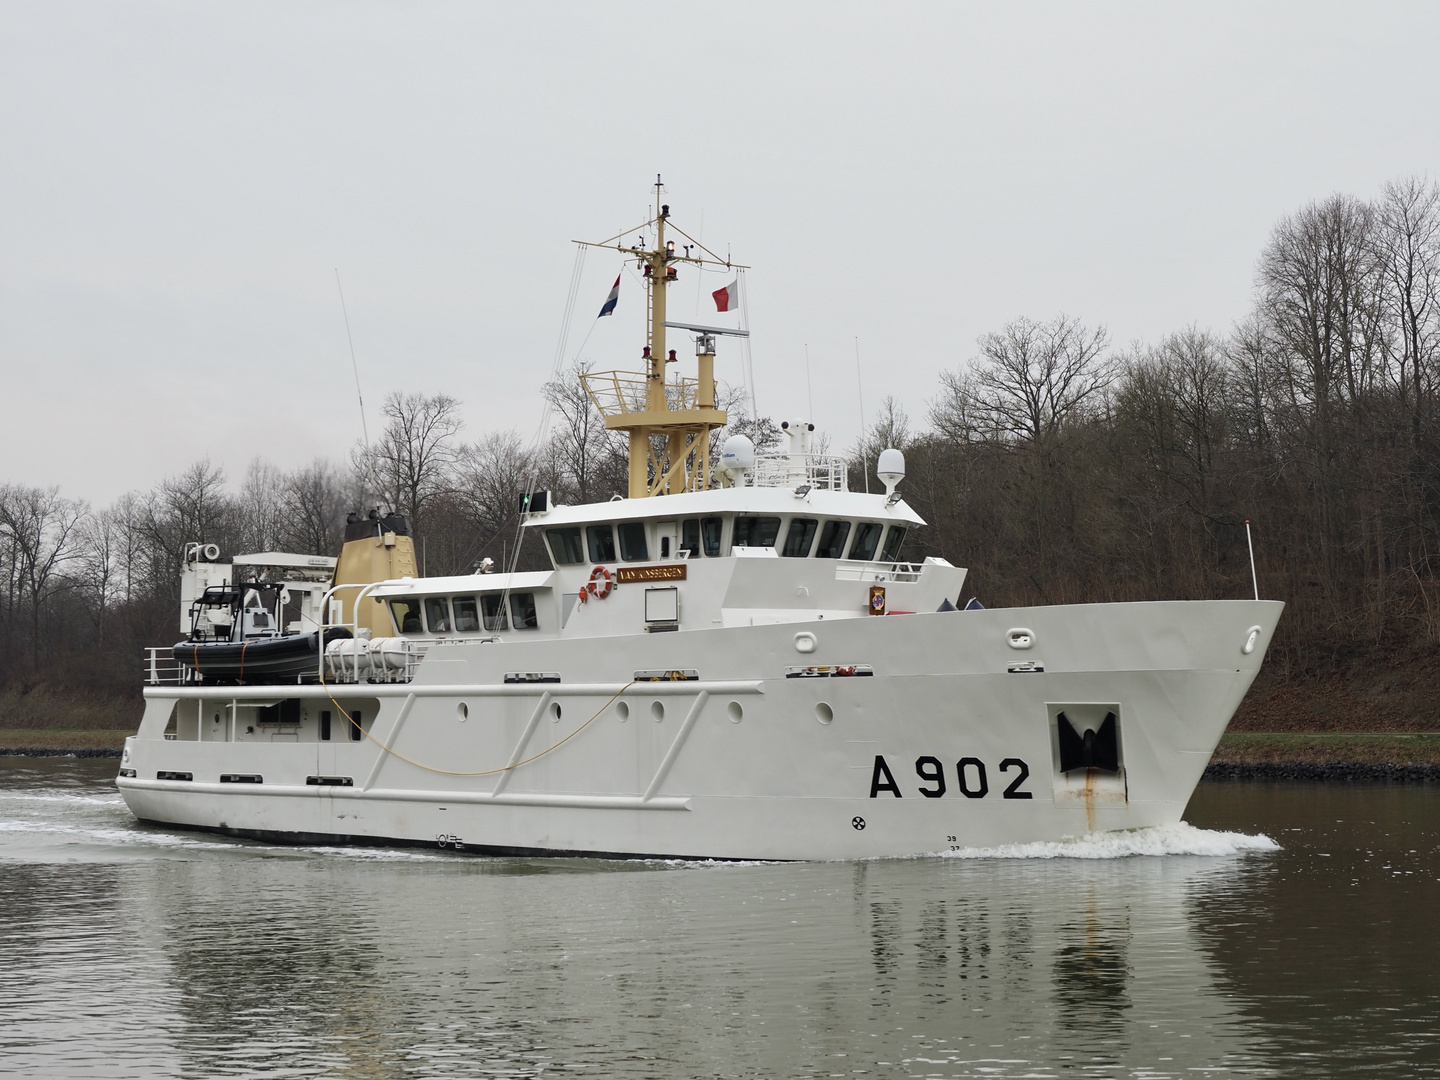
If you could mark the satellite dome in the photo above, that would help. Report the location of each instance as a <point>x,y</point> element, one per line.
<point>890,468</point>
<point>737,453</point>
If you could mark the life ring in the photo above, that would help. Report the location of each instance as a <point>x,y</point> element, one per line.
<point>601,591</point>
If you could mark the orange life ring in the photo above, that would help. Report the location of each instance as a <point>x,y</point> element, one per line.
<point>600,592</point>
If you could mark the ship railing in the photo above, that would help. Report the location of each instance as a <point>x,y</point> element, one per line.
<point>162,669</point>
<point>852,570</point>
<point>617,392</point>
<point>821,471</point>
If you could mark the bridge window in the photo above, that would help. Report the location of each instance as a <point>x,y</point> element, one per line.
<point>632,541</point>
<point>437,614</point>
<point>565,546</point>
<point>493,604</point>
<point>832,540</point>
<point>892,544</point>
<point>799,537</point>
<point>407,616</point>
<point>867,539</point>
<point>702,535</point>
<point>710,530</point>
<point>755,532</point>
<point>522,608</point>
<point>602,543</point>
<point>466,617</point>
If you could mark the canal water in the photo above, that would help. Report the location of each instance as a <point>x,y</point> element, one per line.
<point>1286,930</point>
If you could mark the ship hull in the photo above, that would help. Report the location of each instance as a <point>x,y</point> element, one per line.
<point>952,742</point>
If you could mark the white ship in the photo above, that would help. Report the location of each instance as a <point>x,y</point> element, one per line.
<point>733,662</point>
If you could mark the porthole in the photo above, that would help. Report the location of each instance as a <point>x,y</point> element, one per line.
<point>555,712</point>
<point>622,710</point>
<point>462,711</point>
<point>735,711</point>
<point>824,713</point>
<point>657,711</point>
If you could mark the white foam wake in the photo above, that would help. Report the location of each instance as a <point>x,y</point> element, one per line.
<point>1178,839</point>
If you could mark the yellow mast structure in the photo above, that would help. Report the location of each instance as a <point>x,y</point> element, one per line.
<point>679,411</point>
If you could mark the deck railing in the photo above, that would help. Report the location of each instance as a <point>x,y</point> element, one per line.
<point>617,392</point>
<point>850,570</point>
<point>821,471</point>
<point>162,669</point>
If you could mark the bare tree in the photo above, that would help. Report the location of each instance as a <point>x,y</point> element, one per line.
<point>42,530</point>
<point>260,508</point>
<point>314,500</point>
<point>493,473</point>
<point>1407,240</point>
<point>413,460</point>
<point>581,450</point>
<point>1032,378</point>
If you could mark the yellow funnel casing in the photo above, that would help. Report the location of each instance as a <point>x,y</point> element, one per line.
<point>376,549</point>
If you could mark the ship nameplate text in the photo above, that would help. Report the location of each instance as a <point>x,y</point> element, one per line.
<point>629,575</point>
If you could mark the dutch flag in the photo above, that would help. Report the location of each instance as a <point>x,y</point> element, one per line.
<point>728,298</point>
<point>608,308</point>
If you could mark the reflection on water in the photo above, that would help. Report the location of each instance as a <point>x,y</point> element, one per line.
<point>131,951</point>
<point>1092,973</point>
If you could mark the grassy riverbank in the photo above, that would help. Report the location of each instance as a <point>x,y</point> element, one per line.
<point>1288,747</point>
<point>60,740</point>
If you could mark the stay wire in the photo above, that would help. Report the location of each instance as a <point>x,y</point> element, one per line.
<point>748,371</point>
<point>542,430</point>
<point>355,368</point>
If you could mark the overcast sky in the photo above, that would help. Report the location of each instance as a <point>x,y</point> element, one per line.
<point>179,183</point>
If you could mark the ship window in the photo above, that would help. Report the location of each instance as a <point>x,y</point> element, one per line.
<point>494,608</point>
<point>892,544</point>
<point>755,532</point>
<point>632,541</point>
<point>437,614</point>
<point>799,538</point>
<point>832,540</point>
<point>690,537</point>
<point>867,539</point>
<point>565,546</point>
<point>522,610</point>
<point>356,732</point>
<point>467,618</point>
<point>710,533</point>
<point>602,543</point>
<point>407,615</point>
<point>325,725</point>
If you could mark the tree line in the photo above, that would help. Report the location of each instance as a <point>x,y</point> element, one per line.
<point>1059,467</point>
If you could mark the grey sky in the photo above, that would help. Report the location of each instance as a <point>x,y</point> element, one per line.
<point>178,183</point>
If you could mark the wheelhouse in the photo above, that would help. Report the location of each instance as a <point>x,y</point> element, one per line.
<point>793,535</point>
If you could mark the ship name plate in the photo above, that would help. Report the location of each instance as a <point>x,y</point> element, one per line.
<point>629,575</point>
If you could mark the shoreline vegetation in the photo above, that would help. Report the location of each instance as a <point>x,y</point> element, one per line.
<point>1060,467</point>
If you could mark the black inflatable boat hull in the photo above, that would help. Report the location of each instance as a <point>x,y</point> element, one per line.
<point>259,660</point>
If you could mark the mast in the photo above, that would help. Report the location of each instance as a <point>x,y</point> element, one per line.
<point>650,406</point>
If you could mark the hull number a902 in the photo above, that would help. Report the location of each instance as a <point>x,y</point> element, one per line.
<point>970,776</point>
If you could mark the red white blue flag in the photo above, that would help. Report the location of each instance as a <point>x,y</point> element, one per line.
<point>728,298</point>
<point>608,308</point>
